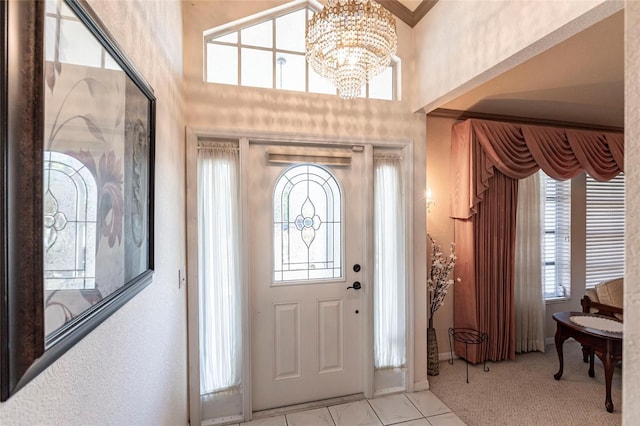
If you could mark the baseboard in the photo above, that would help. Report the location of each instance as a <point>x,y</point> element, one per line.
<point>446,356</point>
<point>223,420</point>
<point>421,385</point>
<point>390,391</point>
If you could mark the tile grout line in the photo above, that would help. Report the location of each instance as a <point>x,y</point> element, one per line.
<point>332,419</point>
<point>434,415</point>
<point>416,407</point>
<point>376,413</point>
<point>411,402</point>
<point>424,416</point>
<point>318,408</point>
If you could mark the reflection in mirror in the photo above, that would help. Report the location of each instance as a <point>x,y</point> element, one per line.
<point>95,172</point>
<point>78,149</point>
<point>69,203</point>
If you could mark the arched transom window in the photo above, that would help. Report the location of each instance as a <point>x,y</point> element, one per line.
<point>307,225</point>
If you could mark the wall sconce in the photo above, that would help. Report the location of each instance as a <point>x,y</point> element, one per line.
<point>430,200</point>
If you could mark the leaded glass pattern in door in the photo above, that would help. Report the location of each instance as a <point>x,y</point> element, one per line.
<point>307,225</point>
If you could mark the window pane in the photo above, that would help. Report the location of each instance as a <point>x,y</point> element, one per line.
<point>51,6</point>
<point>50,36</point>
<point>381,87</point>
<point>318,84</point>
<point>110,63</point>
<point>228,38</point>
<point>290,31</point>
<point>290,71</point>
<point>78,46</point>
<point>257,68</point>
<point>222,64</point>
<point>65,10</point>
<point>557,238</point>
<point>260,35</point>
<point>605,230</point>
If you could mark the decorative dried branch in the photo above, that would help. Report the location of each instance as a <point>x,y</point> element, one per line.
<point>438,281</point>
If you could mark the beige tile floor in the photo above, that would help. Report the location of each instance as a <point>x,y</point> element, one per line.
<point>408,409</point>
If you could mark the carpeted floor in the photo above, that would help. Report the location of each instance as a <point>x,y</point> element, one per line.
<point>524,392</point>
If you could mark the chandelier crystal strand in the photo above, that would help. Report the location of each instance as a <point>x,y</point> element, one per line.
<point>349,42</point>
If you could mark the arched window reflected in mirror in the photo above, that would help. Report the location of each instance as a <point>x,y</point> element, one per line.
<point>69,239</point>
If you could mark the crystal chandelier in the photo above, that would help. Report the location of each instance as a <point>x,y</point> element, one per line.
<point>349,42</point>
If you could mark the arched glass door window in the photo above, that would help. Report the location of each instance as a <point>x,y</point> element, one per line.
<point>70,195</point>
<point>307,225</point>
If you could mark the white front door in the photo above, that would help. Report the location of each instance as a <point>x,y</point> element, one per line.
<point>306,323</point>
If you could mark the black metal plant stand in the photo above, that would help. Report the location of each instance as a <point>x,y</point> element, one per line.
<point>469,336</point>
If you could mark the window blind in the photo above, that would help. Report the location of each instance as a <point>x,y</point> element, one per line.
<point>557,238</point>
<point>605,230</point>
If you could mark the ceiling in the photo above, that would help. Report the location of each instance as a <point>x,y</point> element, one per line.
<point>408,11</point>
<point>580,80</point>
<point>412,5</point>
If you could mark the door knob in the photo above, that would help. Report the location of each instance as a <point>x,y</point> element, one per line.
<point>356,286</point>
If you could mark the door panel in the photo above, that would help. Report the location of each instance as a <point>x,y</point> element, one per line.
<point>307,336</point>
<point>330,336</point>
<point>287,340</point>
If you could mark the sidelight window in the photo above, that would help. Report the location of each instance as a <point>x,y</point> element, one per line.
<point>389,335</point>
<point>219,271</point>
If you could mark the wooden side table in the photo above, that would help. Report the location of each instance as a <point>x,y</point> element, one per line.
<point>606,345</point>
<point>469,336</point>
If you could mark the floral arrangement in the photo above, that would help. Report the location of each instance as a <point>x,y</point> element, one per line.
<point>438,281</point>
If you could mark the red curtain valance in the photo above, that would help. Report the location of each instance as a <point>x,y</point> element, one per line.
<point>518,150</point>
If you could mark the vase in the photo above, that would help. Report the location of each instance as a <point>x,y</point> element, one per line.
<point>433,367</point>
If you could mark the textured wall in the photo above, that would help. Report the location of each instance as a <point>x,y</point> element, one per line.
<point>242,109</point>
<point>631,382</point>
<point>439,224</point>
<point>131,370</point>
<point>461,44</point>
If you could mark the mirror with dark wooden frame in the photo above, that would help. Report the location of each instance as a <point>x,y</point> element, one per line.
<point>77,159</point>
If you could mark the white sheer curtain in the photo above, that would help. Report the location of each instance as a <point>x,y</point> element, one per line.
<point>529,286</point>
<point>389,264</point>
<point>219,267</point>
